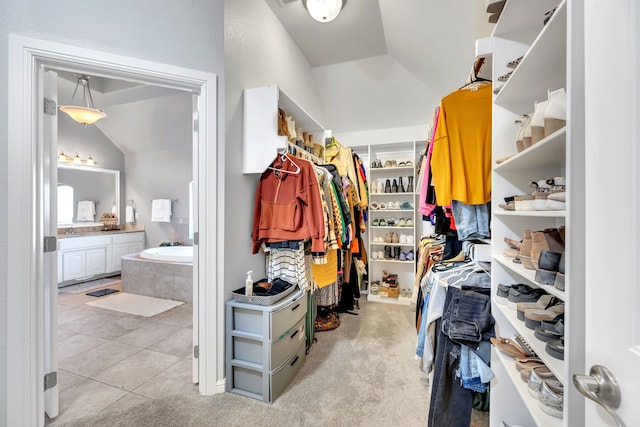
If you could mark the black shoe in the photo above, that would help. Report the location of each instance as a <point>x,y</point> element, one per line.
<point>394,187</point>
<point>387,187</point>
<point>400,185</point>
<point>396,252</point>
<point>410,186</point>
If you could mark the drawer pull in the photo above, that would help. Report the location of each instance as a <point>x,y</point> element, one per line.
<point>297,305</point>
<point>294,361</point>
<point>294,334</point>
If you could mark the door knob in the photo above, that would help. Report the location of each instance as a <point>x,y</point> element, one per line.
<point>602,387</point>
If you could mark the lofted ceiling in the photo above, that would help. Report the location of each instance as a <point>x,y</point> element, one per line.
<point>387,61</point>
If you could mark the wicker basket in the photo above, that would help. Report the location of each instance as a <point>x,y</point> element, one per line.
<point>110,223</point>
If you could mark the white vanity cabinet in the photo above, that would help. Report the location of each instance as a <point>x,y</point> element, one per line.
<point>125,244</point>
<point>82,258</point>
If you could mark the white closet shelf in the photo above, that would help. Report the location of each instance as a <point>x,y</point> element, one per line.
<point>391,244</point>
<point>394,168</point>
<point>392,260</point>
<point>555,365</point>
<point>392,194</point>
<point>391,210</point>
<point>540,417</point>
<point>543,214</point>
<point>528,275</point>
<point>548,153</point>
<point>547,56</point>
<point>397,227</point>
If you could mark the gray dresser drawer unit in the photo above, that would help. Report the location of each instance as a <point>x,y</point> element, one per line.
<point>265,345</point>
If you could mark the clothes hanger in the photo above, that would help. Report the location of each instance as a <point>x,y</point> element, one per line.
<point>284,157</point>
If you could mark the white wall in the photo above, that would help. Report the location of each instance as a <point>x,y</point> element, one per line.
<point>186,34</point>
<point>258,52</point>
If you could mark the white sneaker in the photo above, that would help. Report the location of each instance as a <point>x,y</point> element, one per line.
<point>403,239</point>
<point>374,255</point>
<point>409,239</point>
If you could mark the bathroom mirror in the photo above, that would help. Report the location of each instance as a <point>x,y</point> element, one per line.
<point>101,186</point>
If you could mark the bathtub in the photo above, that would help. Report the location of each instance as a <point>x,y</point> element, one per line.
<point>169,254</point>
<point>163,272</point>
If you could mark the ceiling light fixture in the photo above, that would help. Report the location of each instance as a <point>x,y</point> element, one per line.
<point>85,115</point>
<point>324,10</point>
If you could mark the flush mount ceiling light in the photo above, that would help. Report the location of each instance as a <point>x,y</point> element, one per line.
<point>324,10</point>
<point>85,115</point>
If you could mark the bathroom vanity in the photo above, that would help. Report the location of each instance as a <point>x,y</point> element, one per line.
<point>89,256</point>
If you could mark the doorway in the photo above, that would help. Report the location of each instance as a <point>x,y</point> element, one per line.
<point>113,350</point>
<point>31,263</point>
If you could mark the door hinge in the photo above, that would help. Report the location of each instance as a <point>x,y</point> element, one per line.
<point>196,238</point>
<point>50,107</point>
<point>50,380</point>
<point>50,244</point>
<point>196,351</point>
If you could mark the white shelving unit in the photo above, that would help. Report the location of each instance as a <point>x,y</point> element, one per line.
<point>400,152</point>
<point>522,33</point>
<point>261,141</point>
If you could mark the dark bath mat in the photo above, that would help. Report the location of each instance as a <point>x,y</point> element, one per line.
<point>102,292</point>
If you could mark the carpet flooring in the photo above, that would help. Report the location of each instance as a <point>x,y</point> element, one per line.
<point>361,374</point>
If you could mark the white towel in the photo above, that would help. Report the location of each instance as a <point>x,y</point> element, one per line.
<point>86,210</point>
<point>129,217</point>
<point>161,210</point>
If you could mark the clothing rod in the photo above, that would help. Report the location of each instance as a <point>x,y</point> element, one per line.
<point>304,152</point>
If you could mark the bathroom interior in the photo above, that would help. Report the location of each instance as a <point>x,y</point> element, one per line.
<point>141,152</point>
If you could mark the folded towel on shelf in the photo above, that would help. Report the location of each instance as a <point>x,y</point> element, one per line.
<point>86,210</point>
<point>129,215</point>
<point>161,210</point>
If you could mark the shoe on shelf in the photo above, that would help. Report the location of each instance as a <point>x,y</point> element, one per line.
<point>396,252</point>
<point>523,293</point>
<point>538,244</point>
<point>403,239</point>
<point>555,113</point>
<point>548,266</point>
<point>394,238</point>
<point>409,223</point>
<point>396,205</point>
<point>508,347</point>
<point>528,363</point>
<point>409,237</point>
<point>555,348</point>
<point>502,294</point>
<point>380,187</point>
<point>551,398</point>
<point>394,186</point>
<point>388,238</point>
<point>537,122</point>
<point>525,251</point>
<point>494,6</point>
<point>400,185</point>
<point>559,282</point>
<point>403,256</point>
<point>549,331</point>
<point>387,186</point>
<point>514,63</point>
<point>380,255</point>
<point>374,255</point>
<point>543,302</point>
<point>410,255</point>
<point>524,203</point>
<point>410,185</point>
<point>519,143</point>
<point>375,222</point>
<point>405,205</point>
<point>538,376</point>
<point>382,222</point>
<point>505,77</point>
<point>535,316</point>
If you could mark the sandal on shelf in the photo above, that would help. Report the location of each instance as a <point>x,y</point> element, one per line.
<point>535,316</point>
<point>509,347</point>
<point>514,63</point>
<point>513,243</point>
<point>528,362</point>
<point>374,206</point>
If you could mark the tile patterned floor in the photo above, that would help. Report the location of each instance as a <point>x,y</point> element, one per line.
<point>112,359</point>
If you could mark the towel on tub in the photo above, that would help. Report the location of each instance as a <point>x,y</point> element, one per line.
<point>161,210</point>
<point>86,210</point>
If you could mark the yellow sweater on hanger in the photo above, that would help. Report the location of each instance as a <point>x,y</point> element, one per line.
<point>461,159</point>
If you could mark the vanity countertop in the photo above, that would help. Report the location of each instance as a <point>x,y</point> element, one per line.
<point>97,231</point>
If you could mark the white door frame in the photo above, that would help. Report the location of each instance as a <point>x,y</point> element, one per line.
<point>25,323</point>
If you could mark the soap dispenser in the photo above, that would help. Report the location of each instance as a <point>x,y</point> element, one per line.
<point>248,288</point>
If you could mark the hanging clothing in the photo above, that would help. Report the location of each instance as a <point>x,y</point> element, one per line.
<point>461,158</point>
<point>288,205</point>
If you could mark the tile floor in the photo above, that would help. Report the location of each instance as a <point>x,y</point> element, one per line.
<point>112,359</point>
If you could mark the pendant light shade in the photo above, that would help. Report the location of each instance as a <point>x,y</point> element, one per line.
<point>324,10</point>
<point>86,115</point>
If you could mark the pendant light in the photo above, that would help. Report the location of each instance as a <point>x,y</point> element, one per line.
<point>85,115</point>
<point>324,10</point>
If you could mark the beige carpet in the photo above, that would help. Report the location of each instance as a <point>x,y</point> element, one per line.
<point>139,305</point>
<point>362,374</point>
